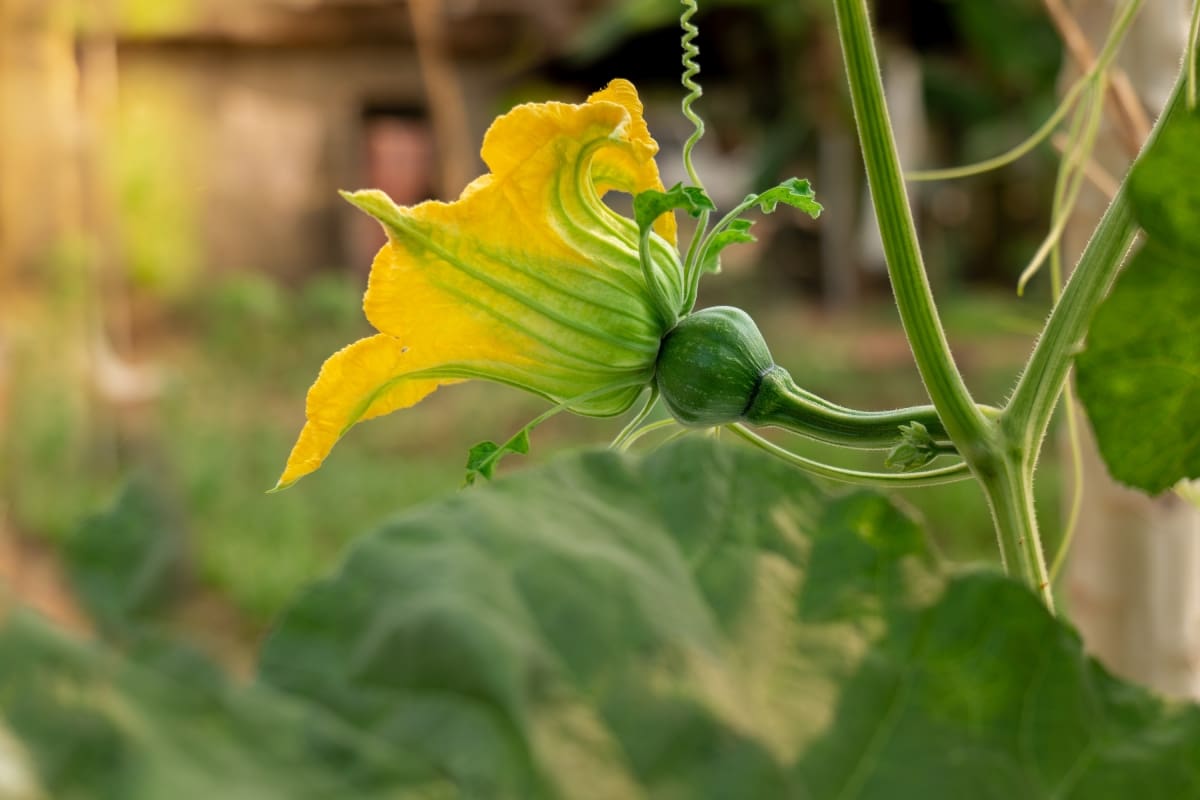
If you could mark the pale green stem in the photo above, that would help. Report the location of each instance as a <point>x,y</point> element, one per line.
<point>1115,37</point>
<point>645,429</point>
<point>887,480</point>
<point>1070,179</point>
<point>1012,154</point>
<point>1009,492</point>
<point>618,442</point>
<point>1027,416</point>
<point>1074,435</point>
<point>781,403</point>
<point>1032,404</point>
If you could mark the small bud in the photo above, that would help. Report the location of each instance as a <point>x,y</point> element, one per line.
<point>915,449</point>
<point>711,365</point>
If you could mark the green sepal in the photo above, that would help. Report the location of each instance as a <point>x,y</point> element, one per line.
<point>650,205</point>
<point>483,457</point>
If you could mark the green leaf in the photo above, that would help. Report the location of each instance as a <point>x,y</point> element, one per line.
<point>1139,375</point>
<point>794,192</point>
<point>98,726</point>
<point>650,205</point>
<point>1165,187</point>
<point>483,457</point>
<point>736,232</point>
<point>703,623</point>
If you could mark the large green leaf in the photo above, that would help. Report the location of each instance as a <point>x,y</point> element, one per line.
<point>95,725</point>
<point>1139,377</point>
<point>705,623</point>
<point>125,563</point>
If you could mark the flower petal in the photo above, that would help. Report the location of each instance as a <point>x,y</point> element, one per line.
<point>527,279</point>
<point>358,382</point>
<point>642,168</point>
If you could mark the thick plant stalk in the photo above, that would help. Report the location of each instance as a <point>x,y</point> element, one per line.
<point>1005,473</point>
<point>964,422</point>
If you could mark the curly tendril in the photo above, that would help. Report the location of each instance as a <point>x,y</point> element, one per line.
<point>690,70</point>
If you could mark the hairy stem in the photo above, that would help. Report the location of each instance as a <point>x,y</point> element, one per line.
<point>781,403</point>
<point>1028,413</point>
<point>965,424</point>
<point>1009,491</point>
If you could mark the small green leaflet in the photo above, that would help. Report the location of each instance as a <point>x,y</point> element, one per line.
<point>649,206</point>
<point>795,192</point>
<point>1137,376</point>
<point>736,232</point>
<point>483,457</point>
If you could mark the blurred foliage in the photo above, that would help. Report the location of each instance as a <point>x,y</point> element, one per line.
<point>125,563</point>
<point>759,638</point>
<point>142,17</point>
<point>158,721</point>
<point>158,202</point>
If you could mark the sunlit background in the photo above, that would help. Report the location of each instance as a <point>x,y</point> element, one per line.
<point>175,263</point>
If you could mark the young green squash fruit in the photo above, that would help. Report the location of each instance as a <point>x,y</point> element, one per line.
<point>711,367</point>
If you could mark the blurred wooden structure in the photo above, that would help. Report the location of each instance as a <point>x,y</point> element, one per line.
<point>232,123</point>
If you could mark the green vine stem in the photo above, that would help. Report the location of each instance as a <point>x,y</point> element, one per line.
<point>966,425</point>
<point>1027,415</point>
<point>783,404</point>
<point>1004,475</point>
<point>885,480</point>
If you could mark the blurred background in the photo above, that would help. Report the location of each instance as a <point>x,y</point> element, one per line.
<point>175,263</point>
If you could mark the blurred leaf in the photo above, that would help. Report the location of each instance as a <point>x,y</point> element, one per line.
<point>1139,376</point>
<point>706,623</point>
<point>124,563</point>
<point>100,727</point>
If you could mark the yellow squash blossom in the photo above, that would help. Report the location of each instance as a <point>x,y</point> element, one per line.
<point>527,279</point>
